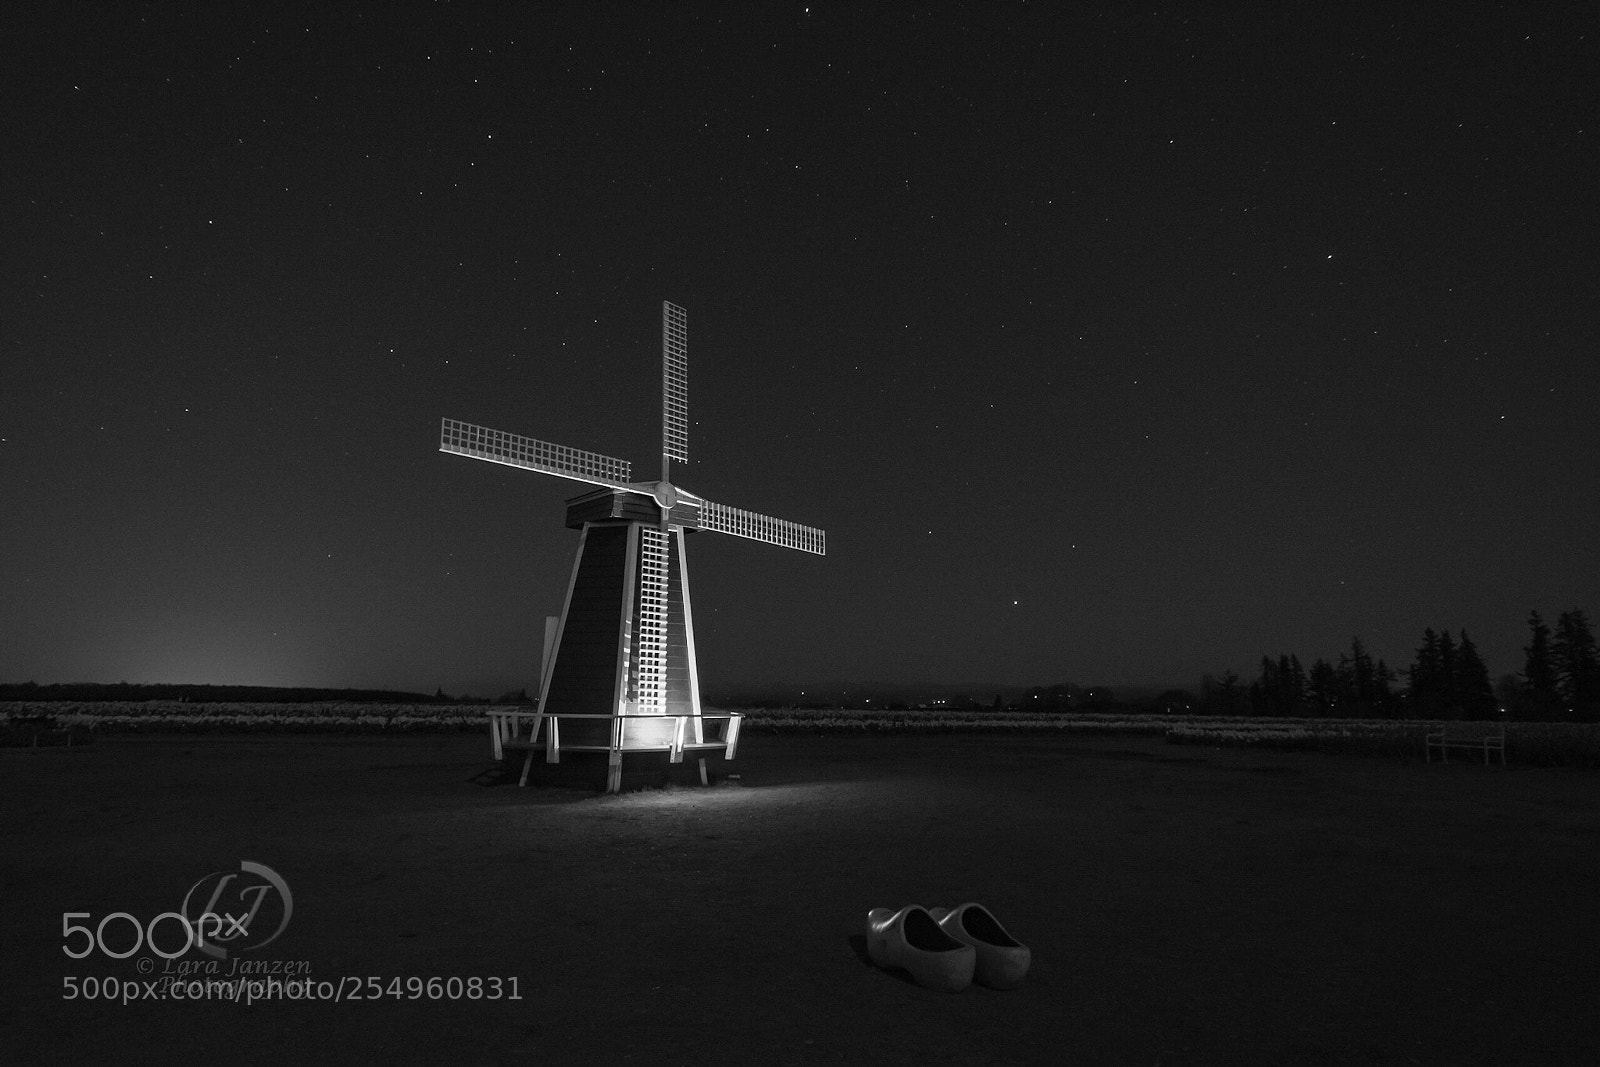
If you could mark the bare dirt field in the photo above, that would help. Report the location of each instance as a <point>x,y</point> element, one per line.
<point>1183,904</point>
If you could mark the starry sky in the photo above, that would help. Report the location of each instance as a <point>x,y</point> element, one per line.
<point>1114,346</point>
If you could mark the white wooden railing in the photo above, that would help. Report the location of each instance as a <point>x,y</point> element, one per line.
<point>505,729</point>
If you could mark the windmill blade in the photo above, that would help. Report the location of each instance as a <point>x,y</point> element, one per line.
<point>496,446</point>
<point>740,523</point>
<point>674,383</point>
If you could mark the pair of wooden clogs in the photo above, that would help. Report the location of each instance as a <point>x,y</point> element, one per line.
<point>947,948</point>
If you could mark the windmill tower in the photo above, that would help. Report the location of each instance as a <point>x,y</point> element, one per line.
<point>624,645</point>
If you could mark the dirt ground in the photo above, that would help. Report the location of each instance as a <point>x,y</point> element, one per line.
<point>1183,904</point>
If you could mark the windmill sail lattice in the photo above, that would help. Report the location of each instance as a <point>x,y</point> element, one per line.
<point>781,532</point>
<point>674,383</point>
<point>480,442</point>
<point>624,667</point>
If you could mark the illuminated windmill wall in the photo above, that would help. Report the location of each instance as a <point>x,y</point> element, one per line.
<point>625,642</point>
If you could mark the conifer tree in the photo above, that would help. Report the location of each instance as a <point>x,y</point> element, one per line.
<point>1263,700</point>
<point>1540,700</point>
<point>1424,696</point>
<point>1473,689</point>
<point>1323,686</point>
<point>1449,690</point>
<point>1577,665</point>
<point>1295,683</point>
<point>1362,675</point>
<point>1382,696</point>
<point>1344,674</point>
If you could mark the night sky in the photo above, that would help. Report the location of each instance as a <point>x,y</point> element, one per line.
<point>1109,347</point>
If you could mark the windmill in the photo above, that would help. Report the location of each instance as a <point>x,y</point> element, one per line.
<point>620,673</point>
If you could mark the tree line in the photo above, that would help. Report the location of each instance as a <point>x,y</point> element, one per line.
<point>1447,679</point>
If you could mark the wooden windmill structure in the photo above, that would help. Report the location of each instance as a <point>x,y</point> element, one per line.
<point>620,674</point>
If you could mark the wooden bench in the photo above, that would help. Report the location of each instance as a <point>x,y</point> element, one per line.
<point>678,744</point>
<point>1485,737</point>
<point>506,725</point>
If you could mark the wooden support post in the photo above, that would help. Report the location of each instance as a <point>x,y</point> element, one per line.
<point>552,630</point>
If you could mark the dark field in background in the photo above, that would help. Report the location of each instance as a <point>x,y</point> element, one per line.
<point>1184,903</point>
